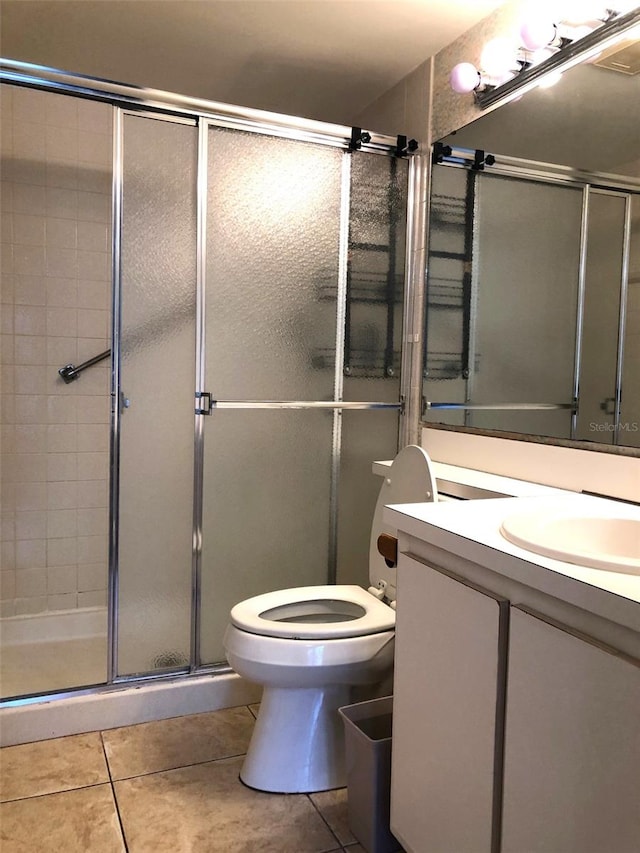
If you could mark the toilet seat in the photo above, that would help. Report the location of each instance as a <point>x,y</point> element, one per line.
<point>341,611</point>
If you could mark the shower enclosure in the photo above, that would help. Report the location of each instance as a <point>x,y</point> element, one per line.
<point>252,268</point>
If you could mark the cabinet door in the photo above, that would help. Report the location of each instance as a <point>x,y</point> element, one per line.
<point>572,744</point>
<point>450,648</point>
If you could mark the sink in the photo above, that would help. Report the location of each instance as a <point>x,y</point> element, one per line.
<point>588,540</point>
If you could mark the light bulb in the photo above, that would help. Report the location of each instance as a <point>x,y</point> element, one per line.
<point>464,78</point>
<point>537,31</point>
<point>498,57</point>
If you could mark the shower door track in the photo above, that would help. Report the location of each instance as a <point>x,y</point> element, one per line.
<point>174,105</point>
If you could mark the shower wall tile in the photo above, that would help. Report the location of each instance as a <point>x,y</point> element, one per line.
<point>62,292</point>
<point>28,230</point>
<point>61,438</point>
<point>93,466</point>
<point>30,496</point>
<point>91,436</point>
<point>62,466</point>
<point>93,599</point>
<point>30,438</point>
<point>7,585</point>
<point>56,299</point>
<point>92,577</point>
<point>92,522</point>
<point>62,523</point>
<point>31,583</point>
<point>92,494</point>
<point>29,290</point>
<point>61,233</point>
<point>8,555</point>
<point>62,580</point>
<point>29,320</point>
<point>62,602</point>
<point>31,525</point>
<point>63,496</point>
<point>28,199</point>
<point>92,237</point>
<point>31,553</point>
<point>62,552</point>
<point>62,322</point>
<point>61,409</point>
<point>61,351</point>
<point>30,349</point>
<point>30,606</point>
<point>92,549</point>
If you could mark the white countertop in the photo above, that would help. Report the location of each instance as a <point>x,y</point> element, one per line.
<point>480,480</point>
<point>471,530</point>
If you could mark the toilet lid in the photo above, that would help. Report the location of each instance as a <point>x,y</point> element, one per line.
<point>410,480</point>
<point>314,613</point>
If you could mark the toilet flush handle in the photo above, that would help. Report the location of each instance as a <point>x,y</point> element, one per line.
<point>388,548</point>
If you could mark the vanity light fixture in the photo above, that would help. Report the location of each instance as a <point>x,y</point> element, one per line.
<point>541,52</point>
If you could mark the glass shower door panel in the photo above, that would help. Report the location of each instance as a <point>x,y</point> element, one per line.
<point>526,280</point>
<point>272,250</point>
<point>598,368</point>
<point>157,379</point>
<point>266,510</point>
<point>375,278</point>
<point>367,436</point>
<point>273,226</point>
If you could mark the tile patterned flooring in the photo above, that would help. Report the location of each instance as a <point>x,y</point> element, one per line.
<point>170,785</point>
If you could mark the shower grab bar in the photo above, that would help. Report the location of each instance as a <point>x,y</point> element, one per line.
<point>515,407</point>
<point>299,404</point>
<point>70,372</point>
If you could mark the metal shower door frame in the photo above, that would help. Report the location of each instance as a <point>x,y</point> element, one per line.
<point>170,106</point>
<point>337,405</point>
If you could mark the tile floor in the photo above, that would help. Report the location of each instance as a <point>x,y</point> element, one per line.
<point>170,785</point>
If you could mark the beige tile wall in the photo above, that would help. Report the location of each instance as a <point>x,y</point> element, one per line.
<point>56,291</point>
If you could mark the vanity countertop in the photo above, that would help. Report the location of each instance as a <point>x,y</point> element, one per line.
<point>484,484</point>
<point>471,530</point>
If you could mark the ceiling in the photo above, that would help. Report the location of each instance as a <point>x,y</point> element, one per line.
<point>323,59</point>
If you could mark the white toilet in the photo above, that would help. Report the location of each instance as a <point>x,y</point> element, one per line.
<point>310,645</point>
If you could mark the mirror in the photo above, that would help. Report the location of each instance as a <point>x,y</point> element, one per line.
<point>533,292</point>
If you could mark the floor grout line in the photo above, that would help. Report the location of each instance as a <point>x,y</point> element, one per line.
<point>326,822</point>
<point>178,767</point>
<point>113,794</point>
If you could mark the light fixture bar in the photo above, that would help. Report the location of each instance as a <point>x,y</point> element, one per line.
<point>573,54</point>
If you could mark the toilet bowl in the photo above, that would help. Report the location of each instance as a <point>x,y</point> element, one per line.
<point>310,646</point>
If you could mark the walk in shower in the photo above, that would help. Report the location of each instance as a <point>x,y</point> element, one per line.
<point>246,274</point>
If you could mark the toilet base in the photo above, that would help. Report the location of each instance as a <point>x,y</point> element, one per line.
<point>298,741</point>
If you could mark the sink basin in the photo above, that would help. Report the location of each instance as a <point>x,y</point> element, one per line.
<point>595,541</point>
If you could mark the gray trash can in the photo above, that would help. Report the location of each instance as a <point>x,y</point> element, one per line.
<point>367,727</point>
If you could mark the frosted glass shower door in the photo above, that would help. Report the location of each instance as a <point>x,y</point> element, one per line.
<point>158,309</point>
<point>273,229</point>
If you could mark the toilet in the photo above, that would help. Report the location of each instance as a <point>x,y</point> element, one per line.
<point>309,646</point>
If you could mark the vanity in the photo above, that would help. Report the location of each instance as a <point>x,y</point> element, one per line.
<point>517,683</point>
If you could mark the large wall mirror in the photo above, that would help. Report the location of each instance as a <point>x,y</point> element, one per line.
<point>533,294</point>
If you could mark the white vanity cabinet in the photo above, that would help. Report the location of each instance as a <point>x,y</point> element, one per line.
<point>447,713</point>
<point>515,729</point>
<point>572,743</point>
